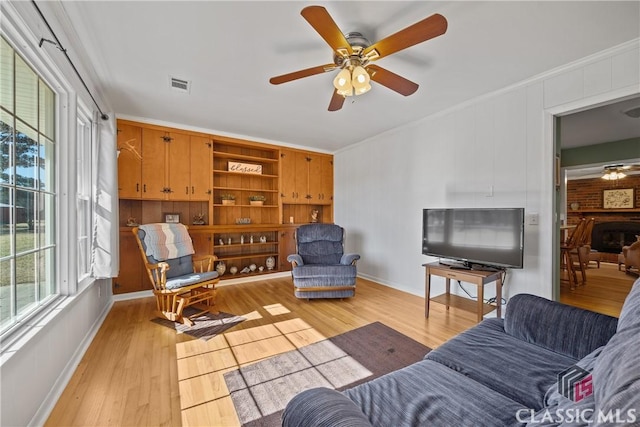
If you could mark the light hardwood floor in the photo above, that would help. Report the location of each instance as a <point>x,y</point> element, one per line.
<point>137,372</point>
<point>604,292</point>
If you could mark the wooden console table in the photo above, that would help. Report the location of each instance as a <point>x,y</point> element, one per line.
<point>475,277</point>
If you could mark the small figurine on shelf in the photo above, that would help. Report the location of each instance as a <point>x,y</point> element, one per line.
<point>263,239</point>
<point>245,270</point>
<point>221,242</point>
<point>233,269</point>
<point>221,268</point>
<point>198,219</point>
<point>271,263</point>
<point>314,215</point>
<point>132,222</point>
<point>251,239</point>
<point>229,241</point>
<point>242,239</point>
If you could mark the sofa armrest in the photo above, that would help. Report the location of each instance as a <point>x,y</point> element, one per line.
<point>323,407</point>
<point>349,259</point>
<point>564,329</point>
<point>295,259</point>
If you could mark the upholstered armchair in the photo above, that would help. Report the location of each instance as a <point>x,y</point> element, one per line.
<point>321,269</point>
<point>631,256</point>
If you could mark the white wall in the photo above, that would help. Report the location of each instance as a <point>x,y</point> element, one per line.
<point>36,369</point>
<point>500,144</point>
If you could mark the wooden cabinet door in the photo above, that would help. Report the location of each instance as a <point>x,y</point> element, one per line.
<point>288,176</point>
<point>129,161</point>
<point>132,276</point>
<point>202,243</point>
<point>295,176</point>
<point>154,165</point>
<point>178,167</point>
<point>201,168</point>
<point>326,185</point>
<point>320,179</point>
<point>286,247</point>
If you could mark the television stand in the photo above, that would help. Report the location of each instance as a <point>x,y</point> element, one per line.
<point>475,277</point>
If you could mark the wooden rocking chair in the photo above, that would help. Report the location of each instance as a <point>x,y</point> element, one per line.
<point>181,281</point>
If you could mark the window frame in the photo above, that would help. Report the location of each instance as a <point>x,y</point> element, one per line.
<point>85,154</point>
<point>66,110</point>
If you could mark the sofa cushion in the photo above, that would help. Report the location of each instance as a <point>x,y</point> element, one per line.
<point>320,243</point>
<point>177,266</point>
<point>323,407</point>
<point>190,279</point>
<point>558,327</point>
<point>321,275</point>
<point>616,377</point>
<point>559,407</point>
<point>517,369</point>
<point>427,393</point>
<point>630,313</point>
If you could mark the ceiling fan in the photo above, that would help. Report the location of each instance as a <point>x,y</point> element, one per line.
<point>353,54</point>
<point>618,171</point>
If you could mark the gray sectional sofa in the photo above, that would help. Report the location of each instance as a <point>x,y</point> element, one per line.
<point>503,372</point>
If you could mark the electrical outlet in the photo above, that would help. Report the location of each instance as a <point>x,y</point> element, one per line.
<point>533,219</point>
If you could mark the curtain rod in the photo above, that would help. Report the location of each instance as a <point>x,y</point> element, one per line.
<point>57,44</point>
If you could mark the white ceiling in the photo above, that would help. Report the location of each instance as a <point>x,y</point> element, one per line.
<point>229,50</point>
<point>606,123</point>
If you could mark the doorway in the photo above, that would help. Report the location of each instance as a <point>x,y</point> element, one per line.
<point>588,142</point>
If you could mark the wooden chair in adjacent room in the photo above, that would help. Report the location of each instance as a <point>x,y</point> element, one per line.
<point>587,254</point>
<point>577,252</point>
<point>179,278</point>
<point>567,248</point>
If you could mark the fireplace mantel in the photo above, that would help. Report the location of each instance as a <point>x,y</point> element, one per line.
<point>604,211</point>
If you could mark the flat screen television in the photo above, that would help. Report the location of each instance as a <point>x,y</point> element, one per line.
<point>490,237</point>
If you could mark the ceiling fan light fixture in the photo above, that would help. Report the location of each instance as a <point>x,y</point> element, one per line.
<point>614,175</point>
<point>342,83</point>
<point>359,77</point>
<point>363,89</point>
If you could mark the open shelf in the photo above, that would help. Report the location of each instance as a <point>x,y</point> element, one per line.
<point>234,156</point>
<point>245,206</point>
<point>251,175</point>
<point>244,189</point>
<point>242,256</point>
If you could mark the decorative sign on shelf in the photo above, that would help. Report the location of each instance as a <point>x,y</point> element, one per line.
<point>618,198</point>
<point>245,168</point>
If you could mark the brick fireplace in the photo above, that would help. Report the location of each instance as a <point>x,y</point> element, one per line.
<point>613,227</point>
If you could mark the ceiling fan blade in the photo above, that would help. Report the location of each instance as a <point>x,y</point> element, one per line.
<point>302,73</point>
<point>324,24</point>
<point>336,101</point>
<point>391,80</point>
<point>433,26</point>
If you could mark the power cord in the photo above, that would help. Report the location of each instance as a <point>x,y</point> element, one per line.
<point>491,301</point>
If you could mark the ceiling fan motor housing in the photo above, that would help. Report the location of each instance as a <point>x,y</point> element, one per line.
<point>358,43</point>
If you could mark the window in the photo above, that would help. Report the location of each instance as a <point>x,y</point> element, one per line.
<point>27,189</point>
<point>84,147</point>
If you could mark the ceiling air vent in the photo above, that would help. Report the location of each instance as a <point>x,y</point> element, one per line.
<point>180,85</point>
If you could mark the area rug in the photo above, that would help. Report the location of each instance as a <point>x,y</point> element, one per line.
<point>261,391</point>
<point>206,326</point>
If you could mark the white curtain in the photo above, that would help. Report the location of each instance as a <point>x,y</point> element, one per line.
<point>105,260</point>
